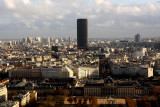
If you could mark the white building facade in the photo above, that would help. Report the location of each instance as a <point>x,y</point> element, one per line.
<point>88,72</point>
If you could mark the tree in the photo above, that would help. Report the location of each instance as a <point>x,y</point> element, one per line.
<point>59,99</point>
<point>79,104</point>
<point>65,92</point>
<point>85,98</point>
<point>155,90</point>
<point>130,102</point>
<point>49,98</point>
<point>139,102</point>
<point>56,92</point>
<point>48,102</point>
<point>70,99</point>
<point>75,100</point>
<point>90,99</point>
<point>60,91</point>
<point>147,104</point>
<point>80,100</point>
<point>158,99</point>
<point>94,101</point>
<point>102,70</point>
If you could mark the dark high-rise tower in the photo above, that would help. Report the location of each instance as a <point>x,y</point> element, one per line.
<point>82,34</point>
<point>137,38</point>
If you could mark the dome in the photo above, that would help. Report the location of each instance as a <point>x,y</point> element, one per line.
<point>108,79</point>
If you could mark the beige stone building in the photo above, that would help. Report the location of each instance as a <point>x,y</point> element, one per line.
<point>9,104</point>
<point>125,91</point>
<point>3,93</point>
<point>25,98</point>
<point>25,73</point>
<point>93,89</point>
<point>114,88</point>
<point>53,72</point>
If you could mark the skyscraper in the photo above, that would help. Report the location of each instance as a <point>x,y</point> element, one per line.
<point>137,38</point>
<point>38,39</point>
<point>82,34</point>
<point>70,39</point>
<point>49,42</point>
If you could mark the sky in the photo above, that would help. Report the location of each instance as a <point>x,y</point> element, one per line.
<point>57,18</point>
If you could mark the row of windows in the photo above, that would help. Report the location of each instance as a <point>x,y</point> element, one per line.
<point>24,74</point>
<point>93,91</point>
<point>123,91</point>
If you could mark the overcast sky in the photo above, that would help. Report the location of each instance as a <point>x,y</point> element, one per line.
<point>57,18</point>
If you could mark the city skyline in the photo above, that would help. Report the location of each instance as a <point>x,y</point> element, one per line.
<point>39,68</point>
<point>107,18</point>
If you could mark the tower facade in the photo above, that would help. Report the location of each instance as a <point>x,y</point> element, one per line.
<point>82,34</point>
<point>70,39</point>
<point>137,38</point>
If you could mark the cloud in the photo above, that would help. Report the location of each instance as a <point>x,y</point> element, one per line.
<point>106,24</point>
<point>45,15</point>
<point>26,2</point>
<point>16,15</point>
<point>92,16</point>
<point>135,10</point>
<point>98,2</point>
<point>10,4</point>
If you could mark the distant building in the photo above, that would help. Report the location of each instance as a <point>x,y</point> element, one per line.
<point>88,72</point>
<point>132,71</point>
<point>157,45</point>
<point>49,42</point>
<point>137,38</point>
<point>54,48</point>
<point>3,93</point>
<point>82,34</point>
<point>38,39</point>
<point>23,98</point>
<point>46,41</point>
<point>128,71</point>
<point>54,72</point>
<point>26,73</point>
<point>70,39</point>
<point>9,104</point>
<point>57,72</point>
<point>4,81</point>
<point>141,53</point>
<point>56,41</point>
<point>110,88</point>
<point>146,72</point>
<point>27,40</point>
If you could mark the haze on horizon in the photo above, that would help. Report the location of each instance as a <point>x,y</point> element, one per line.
<point>57,18</point>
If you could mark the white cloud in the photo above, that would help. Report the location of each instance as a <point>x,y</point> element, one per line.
<point>106,24</point>
<point>26,2</point>
<point>48,14</point>
<point>10,4</point>
<point>108,4</point>
<point>130,10</point>
<point>75,4</point>
<point>92,16</point>
<point>59,23</point>
<point>16,15</point>
<point>60,16</point>
<point>4,21</point>
<point>30,24</point>
<point>48,2</point>
<point>99,1</point>
<point>46,24</point>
